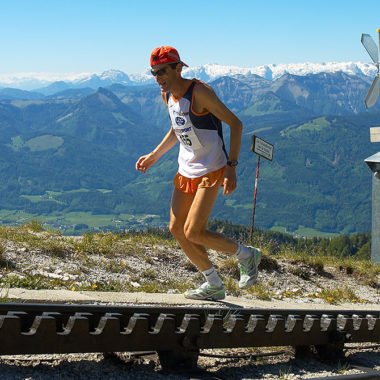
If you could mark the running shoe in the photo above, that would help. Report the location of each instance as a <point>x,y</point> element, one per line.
<point>206,292</point>
<point>249,268</point>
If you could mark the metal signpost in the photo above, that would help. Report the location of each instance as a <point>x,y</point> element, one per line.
<point>374,164</point>
<point>262,149</point>
<point>374,161</point>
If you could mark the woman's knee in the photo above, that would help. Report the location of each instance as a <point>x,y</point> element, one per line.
<point>176,229</point>
<point>193,234</point>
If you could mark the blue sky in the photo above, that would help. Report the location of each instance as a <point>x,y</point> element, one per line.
<point>94,36</point>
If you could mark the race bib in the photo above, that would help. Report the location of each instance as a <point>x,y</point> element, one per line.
<point>188,138</point>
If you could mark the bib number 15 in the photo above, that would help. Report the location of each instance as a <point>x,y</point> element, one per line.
<point>185,140</point>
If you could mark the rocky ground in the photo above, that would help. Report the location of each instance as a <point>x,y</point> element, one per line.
<point>151,265</point>
<point>121,366</point>
<point>154,267</point>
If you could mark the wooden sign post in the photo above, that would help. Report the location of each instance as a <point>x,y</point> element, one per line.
<point>262,149</point>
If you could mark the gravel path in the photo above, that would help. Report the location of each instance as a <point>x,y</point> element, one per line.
<point>121,366</point>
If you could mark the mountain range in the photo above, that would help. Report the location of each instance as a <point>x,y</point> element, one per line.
<point>69,149</point>
<point>49,83</point>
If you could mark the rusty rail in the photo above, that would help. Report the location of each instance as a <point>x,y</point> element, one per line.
<point>176,333</point>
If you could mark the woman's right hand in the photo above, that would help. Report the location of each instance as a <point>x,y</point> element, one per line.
<point>145,162</point>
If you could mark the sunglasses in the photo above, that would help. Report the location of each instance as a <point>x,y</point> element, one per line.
<point>159,72</point>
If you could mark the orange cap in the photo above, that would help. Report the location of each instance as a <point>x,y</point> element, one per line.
<point>165,54</point>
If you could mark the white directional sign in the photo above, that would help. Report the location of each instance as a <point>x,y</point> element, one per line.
<point>373,92</point>
<point>375,134</point>
<point>371,47</point>
<point>262,148</point>
<point>374,52</point>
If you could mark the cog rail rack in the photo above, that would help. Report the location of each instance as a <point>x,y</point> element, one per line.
<point>176,333</point>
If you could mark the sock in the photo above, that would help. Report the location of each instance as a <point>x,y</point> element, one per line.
<point>212,277</point>
<point>243,253</point>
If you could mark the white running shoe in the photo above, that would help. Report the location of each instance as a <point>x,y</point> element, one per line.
<point>249,269</point>
<point>206,292</point>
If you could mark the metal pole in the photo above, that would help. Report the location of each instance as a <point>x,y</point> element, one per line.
<point>375,238</point>
<point>254,198</point>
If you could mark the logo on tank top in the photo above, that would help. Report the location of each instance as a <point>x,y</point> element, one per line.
<point>180,113</point>
<point>180,120</point>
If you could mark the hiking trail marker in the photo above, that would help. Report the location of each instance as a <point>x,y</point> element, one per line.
<point>262,149</point>
<point>374,52</point>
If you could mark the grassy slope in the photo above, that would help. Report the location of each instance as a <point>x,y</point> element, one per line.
<point>83,259</point>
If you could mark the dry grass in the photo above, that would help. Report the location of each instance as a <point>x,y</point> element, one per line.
<point>302,272</point>
<point>232,287</point>
<point>269,263</point>
<point>261,292</point>
<point>338,295</point>
<point>359,268</point>
<point>189,266</point>
<point>229,267</point>
<point>111,251</point>
<point>1,255</point>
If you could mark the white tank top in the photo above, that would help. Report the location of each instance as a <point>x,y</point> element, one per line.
<point>202,147</point>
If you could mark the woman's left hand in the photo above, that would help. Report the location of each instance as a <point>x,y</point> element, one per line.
<point>229,181</point>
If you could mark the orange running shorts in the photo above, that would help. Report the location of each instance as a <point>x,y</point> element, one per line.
<point>191,185</point>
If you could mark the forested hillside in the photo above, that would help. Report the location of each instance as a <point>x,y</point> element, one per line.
<point>68,158</point>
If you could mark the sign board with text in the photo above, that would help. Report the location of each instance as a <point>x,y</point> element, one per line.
<point>375,134</point>
<point>262,148</point>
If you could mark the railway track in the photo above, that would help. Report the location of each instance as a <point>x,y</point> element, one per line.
<point>177,334</point>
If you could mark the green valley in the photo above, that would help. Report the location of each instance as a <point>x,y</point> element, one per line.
<point>69,160</point>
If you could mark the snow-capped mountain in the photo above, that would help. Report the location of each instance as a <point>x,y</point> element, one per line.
<point>207,73</point>
<point>273,71</point>
<point>106,78</point>
<point>29,81</point>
